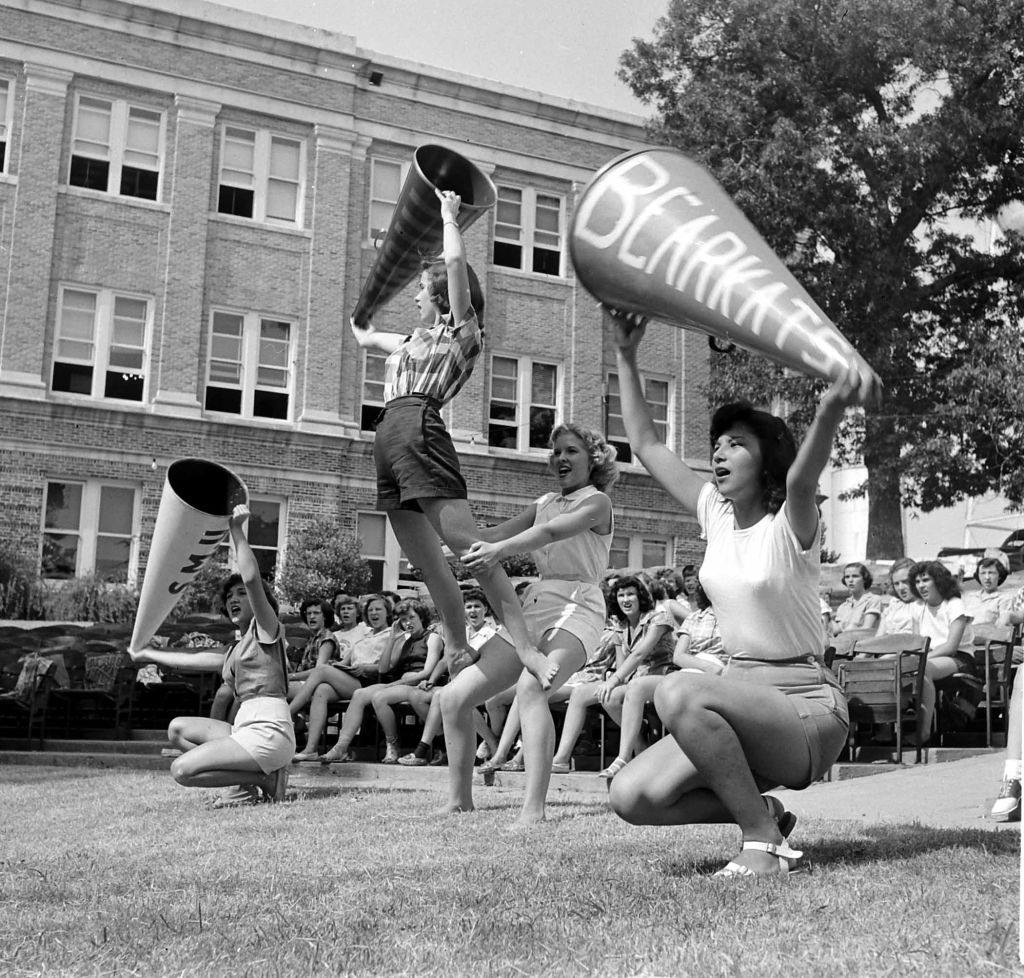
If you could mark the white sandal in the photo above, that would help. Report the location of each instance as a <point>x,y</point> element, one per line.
<point>787,860</point>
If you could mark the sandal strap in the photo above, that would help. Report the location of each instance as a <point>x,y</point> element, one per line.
<point>781,850</point>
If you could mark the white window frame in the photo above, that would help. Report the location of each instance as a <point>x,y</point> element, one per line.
<point>645,377</point>
<point>528,230</point>
<point>364,402</point>
<point>524,400</point>
<point>226,553</point>
<point>88,531</point>
<point>393,558</point>
<point>6,121</point>
<point>117,146</point>
<point>261,176</point>
<point>102,340</point>
<point>636,549</point>
<point>250,343</point>
<point>377,238</point>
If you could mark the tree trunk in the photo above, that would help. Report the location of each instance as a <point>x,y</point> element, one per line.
<point>885,508</point>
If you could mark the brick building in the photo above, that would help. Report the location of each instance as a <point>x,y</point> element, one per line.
<point>189,197</point>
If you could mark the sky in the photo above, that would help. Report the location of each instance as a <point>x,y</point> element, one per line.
<point>568,48</point>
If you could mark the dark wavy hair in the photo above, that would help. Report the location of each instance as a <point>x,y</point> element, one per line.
<point>234,579</point>
<point>865,574</point>
<point>778,447</point>
<point>422,611</point>
<point>388,607</point>
<point>437,288</point>
<point>945,582</point>
<point>477,594</point>
<point>644,598</point>
<point>323,606</point>
<point>703,601</point>
<point>1001,570</point>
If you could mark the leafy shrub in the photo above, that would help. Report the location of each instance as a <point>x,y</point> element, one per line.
<point>88,599</point>
<point>202,594</point>
<point>20,586</point>
<point>321,561</point>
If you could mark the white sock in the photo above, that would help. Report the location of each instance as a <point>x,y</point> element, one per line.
<point>1012,770</point>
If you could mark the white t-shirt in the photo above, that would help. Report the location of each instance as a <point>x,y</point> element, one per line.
<point>935,623</point>
<point>853,611</point>
<point>762,584</point>
<point>901,618</point>
<point>346,638</point>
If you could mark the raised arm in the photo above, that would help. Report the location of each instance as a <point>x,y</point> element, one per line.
<point>671,472</point>
<point>369,337</point>
<point>851,388</point>
<point>594,514</point>
<point>268,627</point>
<point>454,255</point>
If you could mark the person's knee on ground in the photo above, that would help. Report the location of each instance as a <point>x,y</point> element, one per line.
<point>176,733</point>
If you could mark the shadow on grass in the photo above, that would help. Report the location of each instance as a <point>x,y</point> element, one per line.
<point>882,844</point>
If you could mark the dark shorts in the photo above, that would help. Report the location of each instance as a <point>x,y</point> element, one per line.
<point>414,455</point>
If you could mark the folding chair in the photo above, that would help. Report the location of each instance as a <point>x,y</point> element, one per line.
<point>884,683</point>
<point>994,656</point>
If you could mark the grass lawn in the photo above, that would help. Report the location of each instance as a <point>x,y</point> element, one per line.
<point>123,872</point>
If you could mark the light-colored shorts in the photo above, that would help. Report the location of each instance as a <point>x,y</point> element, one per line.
<point>814,693</point>
<point>576,607</point>
<point>263,729</point>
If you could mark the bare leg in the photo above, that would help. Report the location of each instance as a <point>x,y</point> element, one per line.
<point>383,702</point>
<point>538,728</point>
<point>341,682</point>
<point>496,669</point>
<point>318,710</point>
<point>581,699</point>
<point>454,523</point>
<point>497,708</point>
<point>218,763</point>
<point>351,721</point>
<point>638,693</point>
<point>722,729</point>
<point>187,733</point>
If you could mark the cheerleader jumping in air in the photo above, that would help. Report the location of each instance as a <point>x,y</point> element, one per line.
<point>419,482</point>
<point>253,753</point>
<point>775,715</point>
<point>569,533</point>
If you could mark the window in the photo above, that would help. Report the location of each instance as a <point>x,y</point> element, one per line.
<point>89,528</point>
<point>656,392</point>
<point>117,148</point>
<point>386,178</point>
<point>373,390</point>
<point>528,231</point>
<point>381,551</point>
<point>100,346</point>
<point>6,110</point>
<point>260,176</point>
<point>249,370</point>
<point>638,552</point>
<point>524,403</point>
<point>264,534</point>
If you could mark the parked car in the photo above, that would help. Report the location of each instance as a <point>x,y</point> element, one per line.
<point>965,559</point>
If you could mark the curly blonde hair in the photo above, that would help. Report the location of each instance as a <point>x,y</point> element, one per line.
<point>603,468</point>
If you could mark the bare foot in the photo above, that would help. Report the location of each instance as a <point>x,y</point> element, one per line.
<point>526,821</point>
<point>454,809</point>
<point>539,666</point>
<point>459,659</point>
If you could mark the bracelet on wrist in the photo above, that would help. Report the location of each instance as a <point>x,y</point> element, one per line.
<point>454,224</point>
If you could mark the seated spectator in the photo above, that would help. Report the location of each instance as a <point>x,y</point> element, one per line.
<point>989,605</point>
<point>698,646</point>
<point>862,609</point>
<point>902,615</point>
<point>350,626</point>
<point>321,646</point>
<point>826,620</point>
<point>675,599</point>
<point>945,621</point>
<point>410,659</point>
<point>645,644</point>
<point>594,671</point>
<point>690,582</point>
<point>339,679</point>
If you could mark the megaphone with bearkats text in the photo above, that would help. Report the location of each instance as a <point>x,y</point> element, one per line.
<point>416,232</point>
<point>192,521</point>
<point>656,235</point>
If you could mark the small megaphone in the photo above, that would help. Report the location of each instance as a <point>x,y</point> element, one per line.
<point>191,523</point>
<point>416,232</point>
<point>656,235</point>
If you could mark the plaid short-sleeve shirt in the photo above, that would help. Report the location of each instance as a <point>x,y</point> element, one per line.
<point>435,362</point>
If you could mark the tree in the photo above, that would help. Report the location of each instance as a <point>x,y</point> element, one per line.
<point>866,139</point>
<point>321,561</point>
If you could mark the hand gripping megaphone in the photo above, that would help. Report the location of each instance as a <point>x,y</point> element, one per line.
<point>655,234</point>
<point>416,230</point>
<point>191,523</point>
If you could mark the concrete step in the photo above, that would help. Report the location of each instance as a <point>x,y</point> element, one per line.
<point>143,762</point>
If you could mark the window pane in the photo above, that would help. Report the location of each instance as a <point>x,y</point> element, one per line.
<point>618,556</point>
<point>270,404</point>
<point>72,378</point>
<point>129,321</point>
<point>112,556</point>
<point>370,528</point>
<point>77,315</point>
<point>4,102</point>
<point>282,198</point>
<point>138,182</point>
<point>116,506</point>
<point>546,262</point>
<point>508,255</point>
<point>142,140</point>
<point>92,128</point>
<point>501,436</point>
<point>653,553</point>
<point>227,323</point>
<point>89,173</point>
<point>63,506</point>
<point>265,516</point>
<point>284,159</point>
<point>60,555</point>
<point>226,400</point>
<point>271,329</point>
<point>271,377</point>
<point>542,423</point>
<point>225,373</point>
<point>544,383</point>
<point>386,181</point>
<point>380,218</point>
<point>236,201</point>
<point>239,155</point>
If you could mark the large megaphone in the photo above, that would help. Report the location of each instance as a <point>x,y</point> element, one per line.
<point>416,230</point>
<point>191,523</point>
<point>655,234</point>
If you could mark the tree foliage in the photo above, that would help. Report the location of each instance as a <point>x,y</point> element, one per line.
<point>871,142</point>
<point>321,561</point>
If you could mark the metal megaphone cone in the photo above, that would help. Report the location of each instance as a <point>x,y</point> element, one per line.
<point>416,232</point>
<point>655,234</point>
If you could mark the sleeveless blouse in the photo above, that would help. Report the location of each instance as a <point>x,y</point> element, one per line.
<point>253,668</point>
<point>582,557</point>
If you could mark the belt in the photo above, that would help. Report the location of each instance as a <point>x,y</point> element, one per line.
<point>414,399</point>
